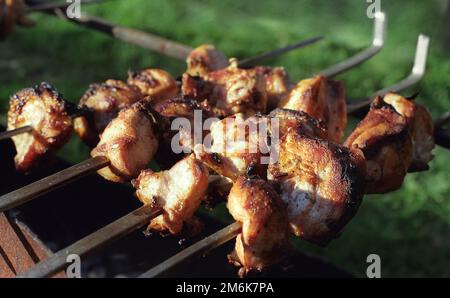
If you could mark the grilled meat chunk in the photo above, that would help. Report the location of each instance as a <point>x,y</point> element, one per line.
<point>104,102</point>
<point>265,233</point>
<point>205,59</point>
<point>278,84</point>
<point>12,12</point>
<point>129,142</point>
<point>179,198</point>
<point>237,146</point>
<point>421,128</point>
<point>242,145</point>
<point>42,108</point>
<point>323,100</point>
<point>230,90</point>
<point>321,183</point>
<point>395,136</point>
<point>158,84</point>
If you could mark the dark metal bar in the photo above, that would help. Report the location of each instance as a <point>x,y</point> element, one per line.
<point>275,53</point>
<point>93,242</point>
<point>11,133</point>
<point>201,247</point>
<point>442,137</point>
<point>52,182</point>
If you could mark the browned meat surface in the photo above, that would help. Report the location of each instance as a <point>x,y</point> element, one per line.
<point>12,12</point>
<point>104,101</point>
<point>230,90</point>
<point>157,84</point>
<point>178,191</point>
<point>204,59</point>
<point>321,183</point>
<point>129,142</point>
<point>43,109</point>
<point>323,100</point>
<point>297,121</point>
<point>393,139</point>
<point>278,84</point>
<point>265,233</point>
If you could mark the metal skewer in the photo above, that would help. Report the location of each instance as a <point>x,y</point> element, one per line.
<point>209,243</point>
<point>379,34</point>
<point>161,45</point>
<point>139,38</point>
<point>417,73</point>
<point>56,5</point>
<point>95,241</point>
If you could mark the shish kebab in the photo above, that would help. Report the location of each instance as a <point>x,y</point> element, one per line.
<point>321,182</point>
<point>149,176</point>
<point>377,45</point>
<point>107,98</point>
<point>13,12</point>
<point>279,77</point>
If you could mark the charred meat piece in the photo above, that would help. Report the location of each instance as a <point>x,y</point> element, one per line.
<point>278,84</point>
<point>129,142</point>
<point>237,146</point>
<point>42,108</point>
<point>12,12</point>
<point>230,90</point>
<point>157,84</point>
<point>265,232</point>
<point>184,112</point>
<point>323,100</point>
<point>104,102</point>
<point>421,129</point>
<point>321,183</point>
<point>394,138</point>
<point>204,59</point>
<point>178,191</point>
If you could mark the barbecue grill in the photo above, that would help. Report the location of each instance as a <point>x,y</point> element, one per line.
<point>40,235</point>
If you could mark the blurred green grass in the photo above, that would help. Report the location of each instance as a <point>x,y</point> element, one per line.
<point>409,228</point>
